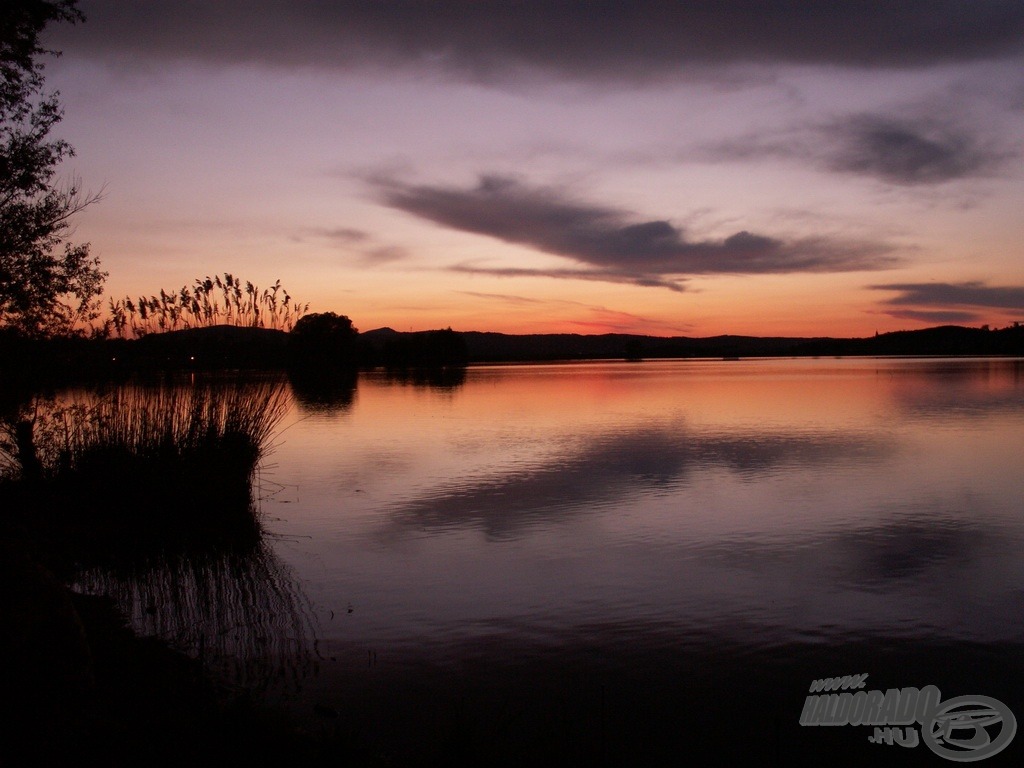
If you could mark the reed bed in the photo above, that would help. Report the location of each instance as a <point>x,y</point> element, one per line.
<point>181,455</point>
<point>206,303</point>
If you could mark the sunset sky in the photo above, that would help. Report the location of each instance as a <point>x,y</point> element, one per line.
<point>795,167</point>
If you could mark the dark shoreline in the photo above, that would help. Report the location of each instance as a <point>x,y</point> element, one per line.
<point>233,348</point>
<point>81,687</point>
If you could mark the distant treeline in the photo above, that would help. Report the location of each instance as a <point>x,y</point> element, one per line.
<point>324,342</point>
<point>330,340</point>
<point>944,340</point>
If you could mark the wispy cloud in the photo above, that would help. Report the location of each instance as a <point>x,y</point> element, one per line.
<point>968,294</point>
<point>385,254</point>
<point>364,245</point>
<point>507,298</point>
<point>605,39</point>
<point>598,318</point>
<point>604,275</point>
<point>905,151</point>
<point>345,235</point>
<point>611,244</point>
<point>934,315</point>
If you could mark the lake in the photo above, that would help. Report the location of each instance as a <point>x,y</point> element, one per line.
<point>607,562</point>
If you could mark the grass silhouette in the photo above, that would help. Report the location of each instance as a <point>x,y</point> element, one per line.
<point>153,463</point>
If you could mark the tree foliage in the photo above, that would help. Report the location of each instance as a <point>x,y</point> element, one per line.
<point>324,338</point>
<point>47,286</point>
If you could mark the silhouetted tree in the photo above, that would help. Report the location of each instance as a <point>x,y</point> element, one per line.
<point>323,338</point>
<point>47,286</point>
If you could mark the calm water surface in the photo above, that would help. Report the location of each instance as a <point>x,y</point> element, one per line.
<point>801,499</point>
<point>597,560</point>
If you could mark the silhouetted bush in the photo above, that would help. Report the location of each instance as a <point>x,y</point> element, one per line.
<point>150,464</point>
<point>323,340</point>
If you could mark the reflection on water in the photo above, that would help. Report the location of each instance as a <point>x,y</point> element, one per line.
<point>618,467</point>
<point>445,377</point>
<point>953,391</point>
<point>241,612</point>
<point>330,393</point>
<point>558,536</point>
<point>810,497</point>
<point>596,560</point>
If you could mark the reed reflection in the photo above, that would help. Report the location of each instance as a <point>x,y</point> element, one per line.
<point>240,611</point>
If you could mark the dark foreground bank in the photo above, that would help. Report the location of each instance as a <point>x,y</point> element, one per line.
<point>81,688</point>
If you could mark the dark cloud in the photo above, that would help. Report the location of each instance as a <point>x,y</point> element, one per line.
<point>902,152</point>
<point>935,315</point>
<point>898,150</point>
<point>607,39</point>
<point>609,243</point>
<point>970,294</point>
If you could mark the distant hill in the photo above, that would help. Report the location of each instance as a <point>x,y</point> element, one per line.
<point>226,346</point>
<point>944,340</point>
